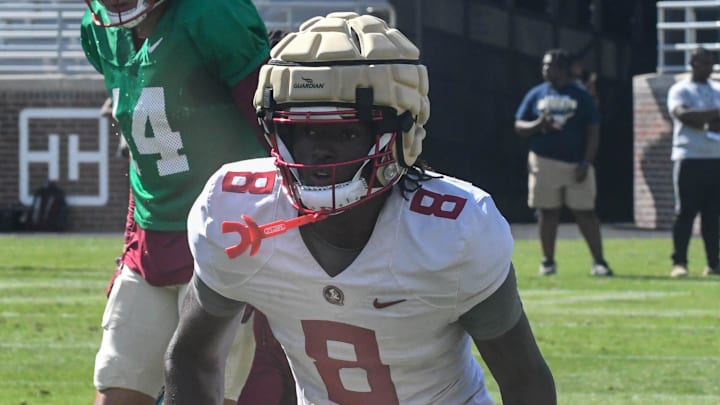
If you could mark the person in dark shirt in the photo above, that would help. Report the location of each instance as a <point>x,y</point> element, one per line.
<point>561,121</point>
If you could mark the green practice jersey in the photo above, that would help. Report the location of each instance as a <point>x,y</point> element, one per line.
<point>173,99</point>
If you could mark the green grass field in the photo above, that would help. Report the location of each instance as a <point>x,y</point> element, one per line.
<point>637,338</point>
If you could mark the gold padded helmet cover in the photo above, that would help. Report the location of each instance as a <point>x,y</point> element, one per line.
<point>330,57</point>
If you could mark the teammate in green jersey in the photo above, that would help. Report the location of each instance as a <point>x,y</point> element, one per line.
<point>181,74</point>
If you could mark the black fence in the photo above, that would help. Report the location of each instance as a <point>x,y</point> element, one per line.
<point>475,89</point>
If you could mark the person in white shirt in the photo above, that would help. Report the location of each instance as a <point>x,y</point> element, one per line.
<point>376,274</point>
<point>694,105</point>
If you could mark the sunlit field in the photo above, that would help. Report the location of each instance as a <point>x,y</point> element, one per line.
<point>637,338</point>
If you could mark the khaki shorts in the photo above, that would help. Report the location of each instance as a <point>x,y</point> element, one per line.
<point>552,184</point>
<point>138,322</point>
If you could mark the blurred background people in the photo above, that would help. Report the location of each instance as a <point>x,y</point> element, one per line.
<point>694,105</point>
<point>560,119</point>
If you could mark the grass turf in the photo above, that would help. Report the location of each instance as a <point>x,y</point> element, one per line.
<point>636,338</point>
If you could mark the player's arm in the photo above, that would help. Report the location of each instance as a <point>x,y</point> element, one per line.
<point>527,125</point>
<point>592,135</point>
<point>502,334</point>
<point>592,132</point>
<point>243,93</point>
<point>678,100</point>
<point>195,358</point>
<point>696,117</point>
<point>543,123</point>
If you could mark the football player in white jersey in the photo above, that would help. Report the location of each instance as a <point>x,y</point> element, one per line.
<point>376,274</point>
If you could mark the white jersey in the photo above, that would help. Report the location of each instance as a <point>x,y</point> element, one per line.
<point>689,142</point>
<point>385,330</point>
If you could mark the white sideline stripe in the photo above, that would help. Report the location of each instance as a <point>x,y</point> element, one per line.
<point>9,285</point>
<point>535,301</point>
<point>624,313</point>
<point>48,345</point>
<point>597,298</point>
<point>585,397</point>
<point>10,314</point>
<point>43,382</point>
<point>634,325</point>
<point>66,299</point>
<point>701,359</point>
<point>591,295</point>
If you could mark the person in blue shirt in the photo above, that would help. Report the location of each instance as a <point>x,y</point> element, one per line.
<point>560,119</point>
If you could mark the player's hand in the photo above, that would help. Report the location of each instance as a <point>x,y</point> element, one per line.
<point>581,172</point>
<point>547,123</point>
<point>714,125</point>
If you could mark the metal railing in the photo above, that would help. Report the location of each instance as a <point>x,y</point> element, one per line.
<point>43,36</point>
<point>288,15</point>
<point>683,26</point>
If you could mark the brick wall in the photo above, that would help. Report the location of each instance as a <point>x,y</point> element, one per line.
<point>51,129</point>
<point>653,191</point>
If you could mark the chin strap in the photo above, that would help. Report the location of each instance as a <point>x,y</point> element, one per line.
<point>252,234</point>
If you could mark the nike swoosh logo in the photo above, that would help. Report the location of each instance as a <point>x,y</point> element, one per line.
<point>152,47</point>
<point>380,305</point>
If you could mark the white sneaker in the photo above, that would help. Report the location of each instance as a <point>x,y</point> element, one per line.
<point>547,269</point>
<point>679,270</point>
<point>601,270</point>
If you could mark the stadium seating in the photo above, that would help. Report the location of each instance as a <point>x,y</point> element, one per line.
<point>289,14</point>
<point>43,36</point>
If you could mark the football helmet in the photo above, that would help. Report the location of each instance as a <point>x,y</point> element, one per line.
<point>126,15</point>
<point>345,68</point>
